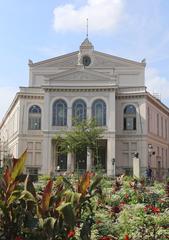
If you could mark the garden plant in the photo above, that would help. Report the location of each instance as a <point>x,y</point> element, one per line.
<point>81,208</point>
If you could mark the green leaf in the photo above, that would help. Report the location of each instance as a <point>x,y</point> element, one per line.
<point>46,196</point>
<point>68,214</point>
<point>15,195</point>
<point>48,225</point>
<point>18,167</point>
<point>95,183</point>
<point>68,184</point>
<point>27,196</point>
<point>75,198</point>
<point>28,185</point>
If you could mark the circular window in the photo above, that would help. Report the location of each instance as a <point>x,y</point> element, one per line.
<point>86,60</point>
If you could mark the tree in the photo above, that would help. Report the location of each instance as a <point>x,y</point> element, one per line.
<point>83,135</point>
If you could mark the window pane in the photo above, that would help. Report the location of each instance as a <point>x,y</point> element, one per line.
<point>79,111</point>
<point>130,109</point>
<point>129,123</point>
<point>129,118</point>
<point>60,113</point>
<point>34,121</point>
<point>99,112</point>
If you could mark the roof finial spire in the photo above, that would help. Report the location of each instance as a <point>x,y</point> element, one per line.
<point>87,28</point>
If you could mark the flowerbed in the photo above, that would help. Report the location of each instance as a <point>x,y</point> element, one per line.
<point>89,207</point>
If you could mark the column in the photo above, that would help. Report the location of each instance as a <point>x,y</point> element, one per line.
<point>110,156</point>
<point>70,162</point>
<point>69,117</point>
<point>47,155</point>
<point>89,159</point>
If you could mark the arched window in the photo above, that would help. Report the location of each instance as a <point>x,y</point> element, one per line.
<point>99,112</point>
<point>129,117</point>
<point>78,111</point>
<point>59,113</point>
<point>34,119</point>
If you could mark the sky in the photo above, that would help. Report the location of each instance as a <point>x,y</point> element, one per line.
<point>41,29</point>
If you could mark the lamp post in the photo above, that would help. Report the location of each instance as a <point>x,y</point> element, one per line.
<point>114,167</point>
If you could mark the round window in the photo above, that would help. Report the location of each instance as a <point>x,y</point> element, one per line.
<point>86,60</point>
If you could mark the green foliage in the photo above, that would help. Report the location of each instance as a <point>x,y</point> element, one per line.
<point>85,134</point>
<point>53,213</point>
<point>89,208</point>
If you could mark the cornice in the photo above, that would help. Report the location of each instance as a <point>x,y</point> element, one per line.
<point>80,89</point>
<point>31,64</point>
<point>130,136</point>
<point>158,139</point>
<point>133,96</point>
<point>18,96</point>
<point>157,102</point>
<point>141,64</point>
<point>30,96</point>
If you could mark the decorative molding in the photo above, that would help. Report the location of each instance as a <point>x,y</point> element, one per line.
<point>55,59</point>
<point>134,96</point>
<point>119,59</point>
<point>98,89</point>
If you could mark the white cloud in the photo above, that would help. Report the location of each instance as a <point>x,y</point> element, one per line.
<point>7,94</point>
<point>103,15</point>
<point>157,84</point>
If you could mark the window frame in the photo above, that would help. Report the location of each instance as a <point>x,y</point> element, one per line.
<point>55,113</point>
<point>95,112</point>
<point>75,118</point>
<point>34,117</point>
<point>129,118</point>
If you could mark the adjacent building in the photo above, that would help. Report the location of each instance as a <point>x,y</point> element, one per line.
<point>87,84</point>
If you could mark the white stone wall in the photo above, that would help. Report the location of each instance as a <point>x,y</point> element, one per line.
<point>9,131</point>
<point>115,80</point>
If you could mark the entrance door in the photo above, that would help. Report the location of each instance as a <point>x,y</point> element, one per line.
<point>101,155</point>
<point>81,161</point>
<point>61,160</point>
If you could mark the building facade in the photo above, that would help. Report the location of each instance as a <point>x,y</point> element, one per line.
<point>87,84</point>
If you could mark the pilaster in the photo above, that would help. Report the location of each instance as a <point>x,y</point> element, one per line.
<point>47,155</point>
<point>110,155</point>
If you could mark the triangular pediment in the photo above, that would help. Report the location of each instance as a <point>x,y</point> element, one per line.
<point>80,74</point>
<point>79,77</point>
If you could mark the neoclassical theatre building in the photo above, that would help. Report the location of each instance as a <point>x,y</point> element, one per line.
<point>87,84</point>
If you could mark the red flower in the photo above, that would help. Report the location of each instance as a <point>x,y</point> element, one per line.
<point>116,209</point>
<point>105,238</point>
<point>122,203</point>
<point>71,233</point>
<point>126,237</point>
<point>126,195</point>
<point>98,222</point>
<point>19,238</point>
<point>155,210</point>
<point>151,209</point>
